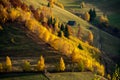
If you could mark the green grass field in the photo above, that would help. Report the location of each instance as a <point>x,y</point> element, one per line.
<point>73,76</point>
<point>23,76</point>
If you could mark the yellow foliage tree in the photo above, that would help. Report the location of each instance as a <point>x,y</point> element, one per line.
<point>90,37</point>
<point>26,66</point>
<point>1,28</point>
<point>3,14</point>
<point>8,64</point>
<point>87,16</point>
<point>82,4</point>
<point>1,67</point>
<point>62,65</point>
<point>14,14</point>
<point>103,19</point>
<point>41,64</point>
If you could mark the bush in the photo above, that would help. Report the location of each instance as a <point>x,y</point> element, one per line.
<point>26,66</point>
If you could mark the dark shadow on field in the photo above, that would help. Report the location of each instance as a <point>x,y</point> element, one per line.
<point>21,74</point>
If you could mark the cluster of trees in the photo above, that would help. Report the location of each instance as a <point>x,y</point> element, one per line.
<point>7,67</point>
<point>90,16</point>
<point>51,4</point>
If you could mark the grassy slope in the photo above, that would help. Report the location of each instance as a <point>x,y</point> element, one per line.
<point>110,43</point>
<point>111,8</point>
<point>73,76</point>
<point>25,46</point>
<point>23,76</point>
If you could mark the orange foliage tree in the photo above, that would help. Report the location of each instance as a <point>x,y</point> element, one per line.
<point>62,65</point>
<point>90,37</point>
<point>87,16</point>
<point>8,64</point>
<point>41,64</point>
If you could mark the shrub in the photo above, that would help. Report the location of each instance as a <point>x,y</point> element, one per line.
<point>61,65</point>
<point>8,64</point>
<point>41,64</point>
<point>26,66</point>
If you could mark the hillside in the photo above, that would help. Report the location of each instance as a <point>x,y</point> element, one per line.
<point>30,29</point>
<point>110,44</point>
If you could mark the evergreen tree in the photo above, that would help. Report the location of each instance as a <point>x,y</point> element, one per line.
<point>66,32</point>
<point>92,14</point>
<point>50,20</point>
<point>62,27</point>
<point>60,34</point>
<point>80,47</point>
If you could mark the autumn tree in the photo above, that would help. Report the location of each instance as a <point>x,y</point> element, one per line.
<point>82,4</point>
<point>61,65</point>
<point>14,14</point>
<point>26,66</point>
<point>90,37</point>
<point>3,14</point>
<point>1,67</point>
<point>8,64</point>
<point>87,16</point>
<point>41,64</point>
<point>103,19</point>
